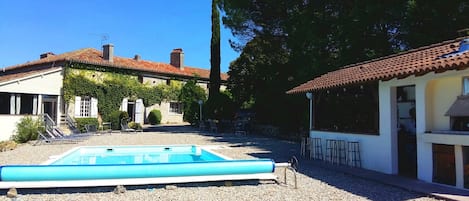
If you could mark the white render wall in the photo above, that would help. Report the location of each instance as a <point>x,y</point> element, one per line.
<point>8,125</point>
<point>166,116</point>
<point>49,83</point>
<point>46,83</point>
<point>434,95</point>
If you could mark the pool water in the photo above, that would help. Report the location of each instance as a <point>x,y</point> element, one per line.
<point>102,155</point>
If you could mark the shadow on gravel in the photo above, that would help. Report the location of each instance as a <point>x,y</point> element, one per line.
<point>282,151</point>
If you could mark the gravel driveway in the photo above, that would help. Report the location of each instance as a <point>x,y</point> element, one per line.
<point>314,183</point>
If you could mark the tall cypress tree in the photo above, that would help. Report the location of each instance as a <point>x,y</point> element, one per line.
<point>215,79</point>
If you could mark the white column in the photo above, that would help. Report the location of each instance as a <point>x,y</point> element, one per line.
<point>58,112</point>
<point>35,105</point>
<point>40,105</point>
<point>424,150</point>
<point>18,103</point>
<point>388,126</point>
<point>459,163</point>
<point>12,104</point>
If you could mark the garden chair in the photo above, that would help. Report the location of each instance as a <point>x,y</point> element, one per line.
<point>125,126</point>
<point>213,125</point>
<point>91,129</point>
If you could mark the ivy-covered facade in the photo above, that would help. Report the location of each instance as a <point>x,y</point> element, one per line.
<point>93,83</point>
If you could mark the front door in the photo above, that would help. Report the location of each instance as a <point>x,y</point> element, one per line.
<point>407,144</point>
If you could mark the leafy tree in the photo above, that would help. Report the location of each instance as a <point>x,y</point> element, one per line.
<point>286,43</point>
<point>190,94</point>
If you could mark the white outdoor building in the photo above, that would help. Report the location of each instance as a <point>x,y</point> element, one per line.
<point>422,112</point>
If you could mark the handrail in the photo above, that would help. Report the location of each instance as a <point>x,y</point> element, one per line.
<point>49,123</point>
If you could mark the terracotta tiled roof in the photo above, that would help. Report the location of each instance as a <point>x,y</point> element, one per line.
<point>414,62</point>
<point>93,56</point>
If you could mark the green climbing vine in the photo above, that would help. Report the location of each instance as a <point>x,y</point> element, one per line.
<point>111,87</point>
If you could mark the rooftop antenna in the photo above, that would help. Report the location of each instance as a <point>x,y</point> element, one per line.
<point>103,37</point>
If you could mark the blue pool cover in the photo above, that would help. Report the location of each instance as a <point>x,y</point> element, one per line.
<point>121,171</point>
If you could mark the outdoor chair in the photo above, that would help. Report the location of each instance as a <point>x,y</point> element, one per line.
<point>241,127</point>
<point>213,125</point>
<point>91,129</point>
<point>125,126</point>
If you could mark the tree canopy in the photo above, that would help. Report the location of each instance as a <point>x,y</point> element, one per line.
<point>285,43</point>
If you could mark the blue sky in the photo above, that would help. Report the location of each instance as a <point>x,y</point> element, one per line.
<point>150,28</point>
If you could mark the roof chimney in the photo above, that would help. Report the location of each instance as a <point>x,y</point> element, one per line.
<point>45,55</point>
<point>177,58</point>
<point>137,57</point>
<point>108,52</point>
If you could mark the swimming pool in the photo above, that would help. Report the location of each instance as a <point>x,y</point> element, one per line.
<point>134,165</point>
<point>100,155</point>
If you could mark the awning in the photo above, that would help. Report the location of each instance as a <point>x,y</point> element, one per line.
<point>460,107</point>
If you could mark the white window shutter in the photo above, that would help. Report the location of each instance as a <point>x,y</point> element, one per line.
<point>77,106</point>
<point>125,101</point>
<point>94,107</point>
<point>13,104</point>
<point>139,107</point>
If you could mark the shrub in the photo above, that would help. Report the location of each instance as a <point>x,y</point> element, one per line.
<point>135,126</point>
<point>115,119</point>
<point>27,128</point>
<point>7,145</point>
<point>154,117</point>
<point>81,122</point>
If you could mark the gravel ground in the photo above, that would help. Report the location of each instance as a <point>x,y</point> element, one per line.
<point>314,183</point>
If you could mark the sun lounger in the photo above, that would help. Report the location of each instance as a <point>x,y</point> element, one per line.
<point>125,126</point>
<point>49,137</point>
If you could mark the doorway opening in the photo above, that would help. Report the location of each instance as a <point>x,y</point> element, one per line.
<point>131,110</point>
<point>49,106</point>
<point>406,136</point>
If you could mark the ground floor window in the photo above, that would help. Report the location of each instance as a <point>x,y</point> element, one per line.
<point>444,168</point>
<point>175,107</point>
<point>351,109</point>
<point>5,103</point>
<point>27,104</point>
<point>85,107</point>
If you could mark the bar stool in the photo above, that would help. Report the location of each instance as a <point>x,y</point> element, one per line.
<point>331,150</point>
<point>354,159</point>
<point>316,149</point>
<point>342,152</point>
<point>305,143</point>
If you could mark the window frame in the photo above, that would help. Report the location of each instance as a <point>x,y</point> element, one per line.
<point>85,106</point>
<point>177,110</point>
<point>465,85</point>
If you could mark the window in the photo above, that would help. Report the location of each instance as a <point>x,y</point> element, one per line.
<point>27,104</point>
<point>85,107</point>
<point>175,107</point>
<point>5,103</point>
<point>465,87</point>
<point>353,109</point>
